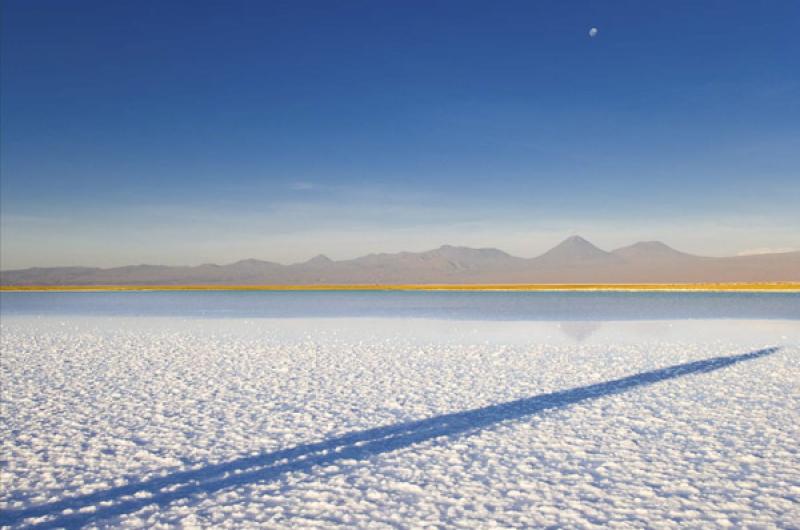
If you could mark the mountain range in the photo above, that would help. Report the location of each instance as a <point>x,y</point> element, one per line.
<point>574,260</point>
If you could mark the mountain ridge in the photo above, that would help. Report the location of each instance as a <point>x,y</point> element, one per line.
<point>574,260</point>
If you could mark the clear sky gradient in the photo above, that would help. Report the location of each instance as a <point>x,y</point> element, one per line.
<point>191,132</point>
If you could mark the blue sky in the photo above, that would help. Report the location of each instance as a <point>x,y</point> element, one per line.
<point>191,132</point>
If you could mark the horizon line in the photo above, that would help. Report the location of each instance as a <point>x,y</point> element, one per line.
<point>755,287</point>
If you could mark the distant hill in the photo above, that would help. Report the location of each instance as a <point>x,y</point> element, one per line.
<point>574,260</point>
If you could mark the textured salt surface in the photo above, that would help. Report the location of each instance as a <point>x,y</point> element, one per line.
<point>141,422</point>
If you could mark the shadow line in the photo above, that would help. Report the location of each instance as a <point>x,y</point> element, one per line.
<point>355,446</point>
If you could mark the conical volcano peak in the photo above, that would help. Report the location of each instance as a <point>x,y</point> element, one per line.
<point>578,244</point>
<point>319,259</point>
<point>576,239</point>
<point>573,250</point>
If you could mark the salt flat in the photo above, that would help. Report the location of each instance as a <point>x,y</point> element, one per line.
<point>399,423</point>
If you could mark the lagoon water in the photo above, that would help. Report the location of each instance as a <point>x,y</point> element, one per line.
<point>593,306</point>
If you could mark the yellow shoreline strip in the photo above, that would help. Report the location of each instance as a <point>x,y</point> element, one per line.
<point>624,287</point>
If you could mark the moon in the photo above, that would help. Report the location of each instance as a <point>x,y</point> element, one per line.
<point>593,32</point>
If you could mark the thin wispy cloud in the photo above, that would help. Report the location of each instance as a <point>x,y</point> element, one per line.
<point>302,185</point>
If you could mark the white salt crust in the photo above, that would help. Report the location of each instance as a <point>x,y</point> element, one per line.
<point>148,423</point>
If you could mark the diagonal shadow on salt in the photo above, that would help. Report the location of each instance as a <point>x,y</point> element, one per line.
<point>355,446</point>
